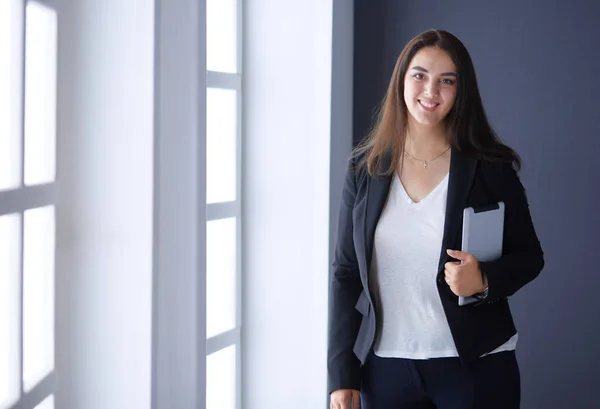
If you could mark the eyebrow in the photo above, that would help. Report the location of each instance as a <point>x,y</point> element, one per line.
<point>446,74</point>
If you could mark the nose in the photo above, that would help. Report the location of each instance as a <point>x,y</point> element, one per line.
<point>431,89</point>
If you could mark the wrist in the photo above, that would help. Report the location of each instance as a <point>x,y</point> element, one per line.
<point>484,282</point>
<point>483,293</point>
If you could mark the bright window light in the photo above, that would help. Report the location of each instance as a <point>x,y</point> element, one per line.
<point>10,300</point>
<point>221,145</point>
<point>40,94</point>
<point>11,58</point>
<point>220,379</point>
<point>221,273</point>
<point>221,33</point>
<point>38,295</point>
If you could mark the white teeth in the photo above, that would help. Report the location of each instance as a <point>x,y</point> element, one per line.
<point>428,104</point>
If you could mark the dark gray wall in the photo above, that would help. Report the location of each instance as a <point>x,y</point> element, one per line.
<point>538,67</point>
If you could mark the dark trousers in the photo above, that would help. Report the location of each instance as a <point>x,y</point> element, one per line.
<point>491,382</point>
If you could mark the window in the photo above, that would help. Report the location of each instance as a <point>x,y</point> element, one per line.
<point>223,194</point>
<point>28,53</point>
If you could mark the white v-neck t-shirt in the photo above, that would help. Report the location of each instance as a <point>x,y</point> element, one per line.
<point>408,239</point>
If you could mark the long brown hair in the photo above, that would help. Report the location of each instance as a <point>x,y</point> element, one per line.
<point>467,126</point>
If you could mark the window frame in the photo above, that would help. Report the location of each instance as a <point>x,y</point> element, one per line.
<point>18,200</point>
<point>180,346</point>
<point>217,211</point>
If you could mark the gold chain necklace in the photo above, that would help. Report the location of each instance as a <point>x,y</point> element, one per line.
<point>425,162</point>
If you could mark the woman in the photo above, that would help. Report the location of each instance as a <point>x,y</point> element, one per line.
<point>398,337</point>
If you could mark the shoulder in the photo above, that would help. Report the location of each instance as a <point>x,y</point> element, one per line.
<point>357,166</point>
<point>498,172</point>
<point>503,179</point>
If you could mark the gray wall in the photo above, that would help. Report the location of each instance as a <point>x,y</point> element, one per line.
<point>536,63</point>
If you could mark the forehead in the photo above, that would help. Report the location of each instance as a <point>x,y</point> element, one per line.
<point>434,60</point>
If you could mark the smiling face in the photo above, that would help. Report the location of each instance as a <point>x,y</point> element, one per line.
<point>430,87</point>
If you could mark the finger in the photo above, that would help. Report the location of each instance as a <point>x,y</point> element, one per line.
<point>457,254</point>
<point>333,402</point>
<point>449,282</point>
<point>452,271</point>
<point>355,400</point>
<point>452,265</point>
<point>343,402</point>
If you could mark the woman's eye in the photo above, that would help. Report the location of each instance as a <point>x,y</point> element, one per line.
<point>418,76</point>
<point>448,81</point>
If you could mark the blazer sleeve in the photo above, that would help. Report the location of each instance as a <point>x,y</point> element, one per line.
<point>345,287</point>
<point>522,256</point>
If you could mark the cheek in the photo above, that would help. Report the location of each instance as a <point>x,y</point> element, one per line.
<point>450,98</point>
<point>452,93</point>
<point>410,93</point>
<point>407,97</point>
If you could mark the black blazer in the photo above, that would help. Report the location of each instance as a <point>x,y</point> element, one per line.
<point>477,328</point>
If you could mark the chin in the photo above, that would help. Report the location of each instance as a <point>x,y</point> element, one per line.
<point>428,122</point>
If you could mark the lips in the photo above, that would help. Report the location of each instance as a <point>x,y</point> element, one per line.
<point>428,105</point>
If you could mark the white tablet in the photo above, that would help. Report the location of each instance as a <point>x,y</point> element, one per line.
<point>482,233</point>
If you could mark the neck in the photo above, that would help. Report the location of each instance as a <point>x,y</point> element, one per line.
<point>425,142</point>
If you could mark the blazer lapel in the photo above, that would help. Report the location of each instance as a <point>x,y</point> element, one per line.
<point>460,179</point>
<point>377,192</point>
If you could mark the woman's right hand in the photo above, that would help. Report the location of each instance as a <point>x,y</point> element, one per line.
<point>343,398</point>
